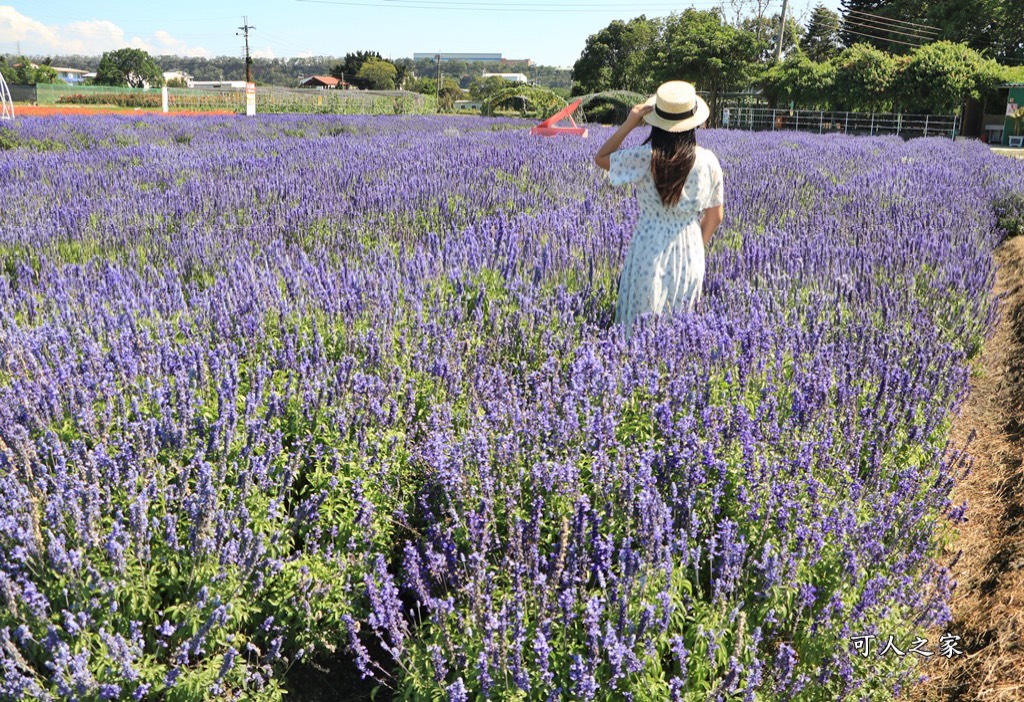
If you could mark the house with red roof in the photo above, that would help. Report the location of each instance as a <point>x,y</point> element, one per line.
<point>324,83</point>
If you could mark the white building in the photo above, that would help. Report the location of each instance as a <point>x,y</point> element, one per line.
<point>73,76</point>
<point>510,77</point>
<point>219,84</point>
<point>178,75</point>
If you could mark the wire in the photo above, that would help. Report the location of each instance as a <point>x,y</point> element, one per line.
<point>871,15</point>
<point>521,3</point>
<point>872,36</point>
<point>287,44</point>
<point>868,24</point>
<point>495,7</point>
<point>869,28</point>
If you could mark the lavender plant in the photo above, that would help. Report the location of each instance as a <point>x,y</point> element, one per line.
<point>274,389</point>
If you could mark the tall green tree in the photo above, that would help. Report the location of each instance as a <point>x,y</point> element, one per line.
<point>939,77</point>
<point>864,79</point>
<point>993,27</point>
<point>616,58</point>
<point>447,96</point>
<point>428,86</point>
<point>483,88</point>
<point>699,47</point>
<point>128,67</point>
<point>377,74</point>
<point>896,26</point>
<point>348,68</point>
<point>766,32</point>
<point>822,41</point>
<point>798,79</point>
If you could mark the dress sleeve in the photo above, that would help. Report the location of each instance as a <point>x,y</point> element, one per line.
<point>715,192</point>
<point>629,165</point>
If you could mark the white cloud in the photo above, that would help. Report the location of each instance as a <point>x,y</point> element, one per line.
<point>267,53</point>
<point>84,37</point>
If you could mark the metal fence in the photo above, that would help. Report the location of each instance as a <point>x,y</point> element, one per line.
<point>274,99</point>
<point>269,99</point>
<point>22,93</point>
<point>824,122</point>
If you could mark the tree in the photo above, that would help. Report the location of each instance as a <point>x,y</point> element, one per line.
<point>995,27</point>
<point>428,86</point>
<point>483,88</point>
<point>751,14</point>
<point>864,79</point>
<point>616,58</point>
<point>134,68</point>
<point>403,71</point>
<point>348,69</point>
<point>896,26</point>
<point>377,74</point>
<point>177,83</point>
<point>447,96</point>
<point>697,46</point>
<point>799,80</point>
<point>939,77</point>
<point>766,34</point>
<point>23,72</point>
<point>821,41</point>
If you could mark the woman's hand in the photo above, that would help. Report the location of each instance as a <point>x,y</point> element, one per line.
<point>633,120</point>
<point>636,115</point>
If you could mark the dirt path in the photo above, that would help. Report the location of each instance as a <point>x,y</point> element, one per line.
<point>988,602</point>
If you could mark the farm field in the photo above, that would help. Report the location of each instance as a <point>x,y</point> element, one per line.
<point>22,110</point>
<point>347,392</point>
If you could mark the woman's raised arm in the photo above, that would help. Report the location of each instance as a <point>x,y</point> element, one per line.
<point>603,157</point>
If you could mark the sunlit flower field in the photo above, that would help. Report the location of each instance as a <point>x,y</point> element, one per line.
<point>298,388</point>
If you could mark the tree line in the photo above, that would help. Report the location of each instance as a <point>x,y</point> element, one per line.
<point>380,73</point>
<point>822,68</point>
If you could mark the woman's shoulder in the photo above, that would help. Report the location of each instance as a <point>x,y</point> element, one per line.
<point>709,156</point>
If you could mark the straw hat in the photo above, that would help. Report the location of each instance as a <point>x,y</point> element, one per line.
<point>677,107</point>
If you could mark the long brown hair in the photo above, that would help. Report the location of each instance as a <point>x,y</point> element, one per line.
<point>673,155</point>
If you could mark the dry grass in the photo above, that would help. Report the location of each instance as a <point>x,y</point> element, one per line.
<point>988,602</point>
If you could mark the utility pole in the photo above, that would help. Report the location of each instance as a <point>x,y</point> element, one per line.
<point>437,87</point>
<point>782,29</point>
<point>248,59</point>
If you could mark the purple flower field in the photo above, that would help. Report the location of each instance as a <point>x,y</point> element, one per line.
<point>309,388</point>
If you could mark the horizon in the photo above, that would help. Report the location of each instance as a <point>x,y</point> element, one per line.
<point>306,29</point>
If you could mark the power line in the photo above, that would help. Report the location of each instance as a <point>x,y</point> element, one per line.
<point>521,3</point>
<point>878,26</point>
<point>888,30</point>
<point>988,43</point>
<point>871,15</point>
<point>491,7</point>
<point>895,32</point>
<point>286,43</point>
<point>872,36</point>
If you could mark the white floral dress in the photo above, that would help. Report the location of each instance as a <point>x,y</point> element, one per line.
<point>664,267</point>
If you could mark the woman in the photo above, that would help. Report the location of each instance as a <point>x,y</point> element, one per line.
<point>679,190</point>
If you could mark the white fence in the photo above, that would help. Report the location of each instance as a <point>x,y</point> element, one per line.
<point>6,104</point>
<point>823,122</point>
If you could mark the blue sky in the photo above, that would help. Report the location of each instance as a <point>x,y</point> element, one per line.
<point>396,28</point>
